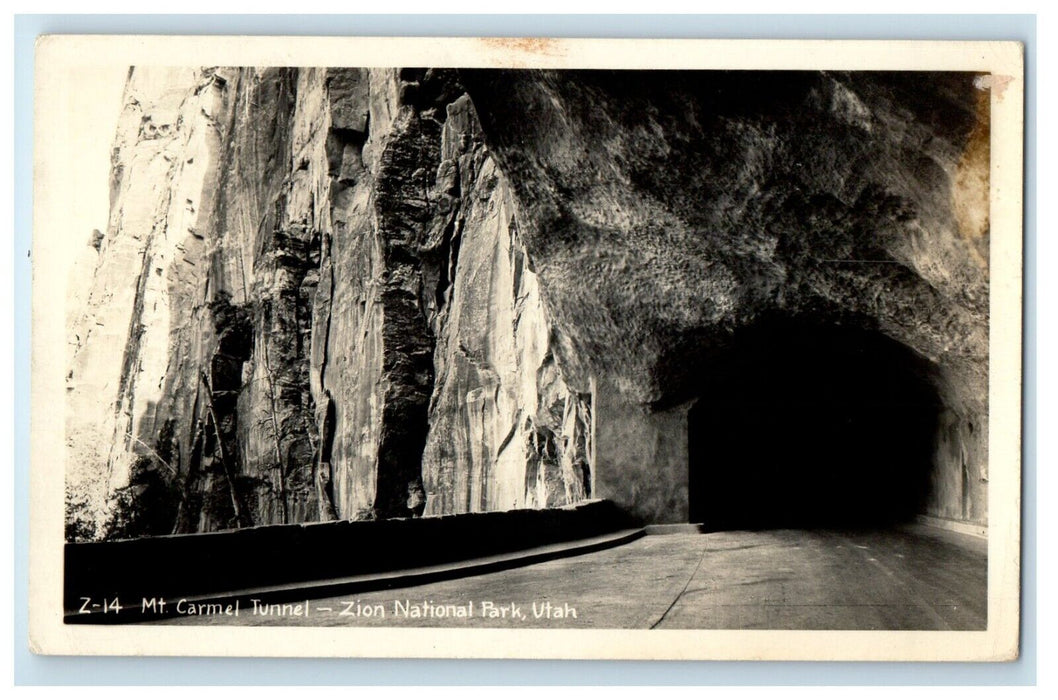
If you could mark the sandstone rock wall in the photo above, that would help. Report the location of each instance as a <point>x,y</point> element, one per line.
<point>506,431</point>
<point>352,293</point>
<point>144,307</point>
<point>667,212</point>
<point>293,256</point>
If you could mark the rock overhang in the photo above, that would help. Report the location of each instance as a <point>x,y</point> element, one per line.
<point>665,210</point>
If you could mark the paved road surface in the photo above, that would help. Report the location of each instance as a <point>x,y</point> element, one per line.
<point>909,579</point>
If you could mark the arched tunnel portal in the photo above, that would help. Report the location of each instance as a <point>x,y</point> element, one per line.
<point>807,425</point>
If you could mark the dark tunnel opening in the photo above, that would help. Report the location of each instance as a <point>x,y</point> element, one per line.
<point>803,426</point>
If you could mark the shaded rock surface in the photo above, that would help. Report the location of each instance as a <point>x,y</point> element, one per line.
<point>666,213</point>
<point>355,294</point>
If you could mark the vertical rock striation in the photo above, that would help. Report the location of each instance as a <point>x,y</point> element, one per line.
<point>293,256</point>
<point>506,430</point>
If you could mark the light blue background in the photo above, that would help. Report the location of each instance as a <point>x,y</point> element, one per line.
<point>30,669</point>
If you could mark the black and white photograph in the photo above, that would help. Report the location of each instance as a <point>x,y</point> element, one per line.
<point>527,348</point>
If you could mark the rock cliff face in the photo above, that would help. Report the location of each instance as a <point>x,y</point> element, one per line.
<point>352,293</point>
<point>675,219</point>
<point>312,279</point>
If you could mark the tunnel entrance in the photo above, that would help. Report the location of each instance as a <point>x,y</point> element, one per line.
<point>807,426</point>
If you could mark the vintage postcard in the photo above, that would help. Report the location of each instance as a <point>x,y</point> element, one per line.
<point>527,348</point>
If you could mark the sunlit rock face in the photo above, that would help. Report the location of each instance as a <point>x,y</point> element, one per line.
<point>312,303</point>
<point>506,431</point>
<point>145,291</point>
<point>353,294</point>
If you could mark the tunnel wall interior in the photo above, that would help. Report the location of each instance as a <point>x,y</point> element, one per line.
<point>959,479</point>
<point>641,457</point>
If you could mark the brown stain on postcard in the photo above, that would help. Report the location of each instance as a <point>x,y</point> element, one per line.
<point>970,194</point>
<point>531,45</point>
